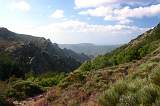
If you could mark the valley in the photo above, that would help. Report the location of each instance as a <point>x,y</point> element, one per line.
<point>92,50</point>
<point>80,53</point>
<point>126,76</point>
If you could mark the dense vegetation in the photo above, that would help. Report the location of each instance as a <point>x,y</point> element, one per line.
<point>8,67</point>
<point>24,89</point>
<point>29,86</point>
<point>140,89</point>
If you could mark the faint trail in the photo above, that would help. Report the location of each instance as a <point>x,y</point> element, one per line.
<point>34,101</point>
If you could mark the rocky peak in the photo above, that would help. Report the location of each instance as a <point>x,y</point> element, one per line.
<point>158,25</point>
<point>6,34</point>
<point>2,29</point>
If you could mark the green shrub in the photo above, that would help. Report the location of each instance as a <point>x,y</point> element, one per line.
<point>120,87</point>
<point>136,92</point>
<point>75,77</point>
<point>148,94</point>
<point>100,62</point>
<point>87,66</point>
<point>155,76</point>
<point>136,84</point>
<point>6,66</point>
<point>9,67</point>
<point>46,80</point>
<point>24,89</point>
<point>111,96</point>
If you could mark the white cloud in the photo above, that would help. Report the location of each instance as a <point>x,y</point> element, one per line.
<point>92,3</point>
<point>125,21</point>
<point>139,12</point>
<point>58,14</point>
<point>123,14</point>
<point>74,31</point>
<point>20,5</point>
<point>97,3</point>
<point>100,11</point>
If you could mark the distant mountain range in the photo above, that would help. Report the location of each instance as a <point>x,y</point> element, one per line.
<point>24,53</point>
<point>89,49</point>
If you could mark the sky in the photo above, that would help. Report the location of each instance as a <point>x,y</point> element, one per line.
<point>100,22</point>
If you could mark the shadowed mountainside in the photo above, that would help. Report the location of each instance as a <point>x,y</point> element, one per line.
<point>37,54</point>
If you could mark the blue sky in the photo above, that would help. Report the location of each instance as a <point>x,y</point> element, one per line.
<point>81,21</point>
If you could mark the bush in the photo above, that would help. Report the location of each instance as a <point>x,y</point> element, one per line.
<point>111,96</point>
<point>48,82</point>
<point>47,79</point>
<point>148,94</point>
<point>87,66</point>
<point>135,92</point>
<point>6,66</point>
<point>9,67</point>
<point>75,77</point>
<point>155,76</point>
<point>24,89</point>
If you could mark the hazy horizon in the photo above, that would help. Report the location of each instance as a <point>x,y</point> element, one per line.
<point>90,43</point>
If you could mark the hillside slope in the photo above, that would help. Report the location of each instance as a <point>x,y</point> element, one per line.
<point>24,53</point>
<point>133,83</point>
<point>134,50</point>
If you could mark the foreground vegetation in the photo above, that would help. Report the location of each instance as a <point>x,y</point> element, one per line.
<point>32,85</point>
<point>139,89</point>
<point>131,84</point>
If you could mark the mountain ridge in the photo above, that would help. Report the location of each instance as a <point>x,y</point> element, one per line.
<point>38,54</point>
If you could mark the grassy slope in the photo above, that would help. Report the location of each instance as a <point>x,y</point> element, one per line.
<point>96,88</point>
<point>129,76</point>
<point>135,50</point>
